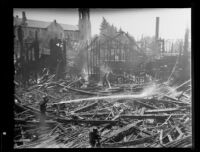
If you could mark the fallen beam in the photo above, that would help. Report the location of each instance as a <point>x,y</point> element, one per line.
<point>23,121</point>
<point>145,105</point>
<point>180,142</point>
<point>93,114</point>
<point>119,134</point>
<point>149,116</point>
<point>167,110</point>
<point>131,143</point>
<point>26,108</point>
<point>92,122</point>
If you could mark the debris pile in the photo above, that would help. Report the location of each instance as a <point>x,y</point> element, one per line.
<point>157,116</point>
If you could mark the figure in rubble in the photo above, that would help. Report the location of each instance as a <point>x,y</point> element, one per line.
<point>106,81</point>
<point>81,81</point>
<point>94,138</point>
<point>43,106</point>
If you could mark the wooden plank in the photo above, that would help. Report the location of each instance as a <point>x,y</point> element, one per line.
<point>149,116</point>
<point>166,110</point>
<point>170,138</point>
<point>161,137</point>
<point>174,101</point>
<point>93,122</point>
<point>26,108</point>
<point>131,143</point>
<point>125,131</point>
<point>145,105</point>
<point>95,115</point>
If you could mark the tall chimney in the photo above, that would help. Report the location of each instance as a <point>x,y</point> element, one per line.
<point>157,28</point>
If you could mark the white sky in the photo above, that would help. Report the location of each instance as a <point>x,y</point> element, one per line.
<point>136,22</point>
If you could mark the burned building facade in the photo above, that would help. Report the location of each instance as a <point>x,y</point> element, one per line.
<point>118,54</point>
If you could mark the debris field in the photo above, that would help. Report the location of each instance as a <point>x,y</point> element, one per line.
<point>157,116</point>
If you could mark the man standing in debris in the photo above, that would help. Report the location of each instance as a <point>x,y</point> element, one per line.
<point>94,138</point>
<point>43,105</point>
<point>106,80</point>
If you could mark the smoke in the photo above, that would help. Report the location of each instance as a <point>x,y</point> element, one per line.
<point>152,89</point>
<point>149,90</point>
<point>84,73</point>
<point>155,88</point>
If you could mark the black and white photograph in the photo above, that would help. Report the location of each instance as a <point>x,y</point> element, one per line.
<point>102,78</point>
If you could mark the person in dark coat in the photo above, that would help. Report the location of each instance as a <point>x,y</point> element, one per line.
<point>94,138</point>
<point>43,105</point>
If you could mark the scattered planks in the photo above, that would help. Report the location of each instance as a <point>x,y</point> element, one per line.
<point>180,143</point>
<point>131,143</point>
<point>125,131</point>
<point>117,128</point>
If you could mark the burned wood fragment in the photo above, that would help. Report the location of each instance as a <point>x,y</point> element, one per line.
<point>149,116</point>
<point>167,110</point>
<point>92,122</point>
<point>146,105</point>
<point>131,143</point>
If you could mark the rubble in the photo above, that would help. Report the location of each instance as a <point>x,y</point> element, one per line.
<point>124,118</point>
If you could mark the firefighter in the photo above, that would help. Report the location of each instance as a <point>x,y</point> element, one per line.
<point>94,138</point>
<point>106,80</point>
<point>43,105</point>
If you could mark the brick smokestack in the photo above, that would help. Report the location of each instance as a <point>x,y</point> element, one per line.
<point>157,28</point>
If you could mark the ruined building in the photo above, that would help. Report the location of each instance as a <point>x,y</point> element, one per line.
<point>47,30</point>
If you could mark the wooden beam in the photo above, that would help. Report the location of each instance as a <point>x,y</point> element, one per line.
<point>167,110</point>
<point>92,114</point>
<point>148,116</point>
<point>145,105</point>
<point>173,101</point>
<point>125,131</point>
<point>131,143</point>
<point>93,122</point>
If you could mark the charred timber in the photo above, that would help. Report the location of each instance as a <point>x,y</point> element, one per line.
<point>167,110</point>
<point>146,105</point>
<point>92,122</point>
<point>149,116</point>
<point>125,131</point>
<point>131,143</point>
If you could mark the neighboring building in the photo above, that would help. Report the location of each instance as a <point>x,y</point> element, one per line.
<point>31,26</point>
<point>48,30</point>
